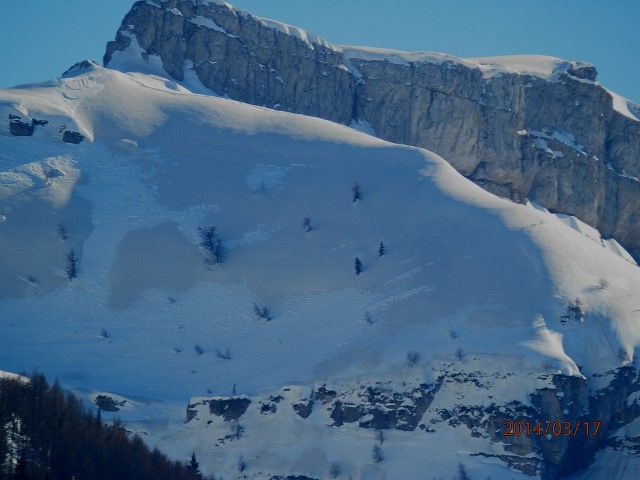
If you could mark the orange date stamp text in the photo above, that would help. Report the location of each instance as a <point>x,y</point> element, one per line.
<point>556,428</point>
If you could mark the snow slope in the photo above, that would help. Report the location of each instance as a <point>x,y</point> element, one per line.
<point>146,319</point>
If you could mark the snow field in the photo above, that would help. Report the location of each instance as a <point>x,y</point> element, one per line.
<point>468,281</point>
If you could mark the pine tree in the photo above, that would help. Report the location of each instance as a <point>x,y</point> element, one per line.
<point>358,266</point>
<point>306,224</point>
<point>381,250</point>
<point>462,472</point>
<point>356,193</point>
<point>214,249</point>
<point>207,238</point>
<point>194,466</point>
<point>262,312</point>
<point>72,265</point>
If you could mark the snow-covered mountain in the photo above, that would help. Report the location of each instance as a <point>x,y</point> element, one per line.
<point>285,359</point>
<point>523,127</point>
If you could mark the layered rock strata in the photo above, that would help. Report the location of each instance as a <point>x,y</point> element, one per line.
<point>532,128</point>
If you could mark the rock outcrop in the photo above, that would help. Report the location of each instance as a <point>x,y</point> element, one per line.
<point>20,128</point>
<point>227,408</point>
<point>70,136</point>
<point>108,404</point>
<point>550,134</point>
<point>555,435</point>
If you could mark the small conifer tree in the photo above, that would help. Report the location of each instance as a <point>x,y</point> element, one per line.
<point>462,472</point>
<point>211,243</point>
<point>72,265</point>
<point>194,466</point>
<point>356,192</point>
<point>358,266</point>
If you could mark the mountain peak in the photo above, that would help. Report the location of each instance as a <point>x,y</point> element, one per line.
<point>183,18</point>
<point>80,68</point>
<point>191,21</point>
<point>369,293</point>
<point>519,110</point>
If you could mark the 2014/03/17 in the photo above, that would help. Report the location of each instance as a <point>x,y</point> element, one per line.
<point>556,428</point>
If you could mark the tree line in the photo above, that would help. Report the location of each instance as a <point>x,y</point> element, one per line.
<point>46,433</point>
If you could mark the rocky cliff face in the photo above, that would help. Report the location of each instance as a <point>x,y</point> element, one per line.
<point>555,435</point>
<point>555,137</point>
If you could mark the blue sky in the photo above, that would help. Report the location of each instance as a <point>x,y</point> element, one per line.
<point>42,38</point>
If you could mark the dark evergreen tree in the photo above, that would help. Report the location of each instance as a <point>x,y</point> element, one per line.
<point>356,192</point>
<point>207,237</point>
<point>381,250</point>
<point>462,472</point>
<point>358,266</point>
<point>214,249</point>
<point>194,466</point>
<point>368,319</point>
<point>263,312</point>
<point>306,224</point>
<point>72,265</point>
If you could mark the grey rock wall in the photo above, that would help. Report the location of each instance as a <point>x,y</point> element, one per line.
<point>575,421</point>
<point>559,143</point>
